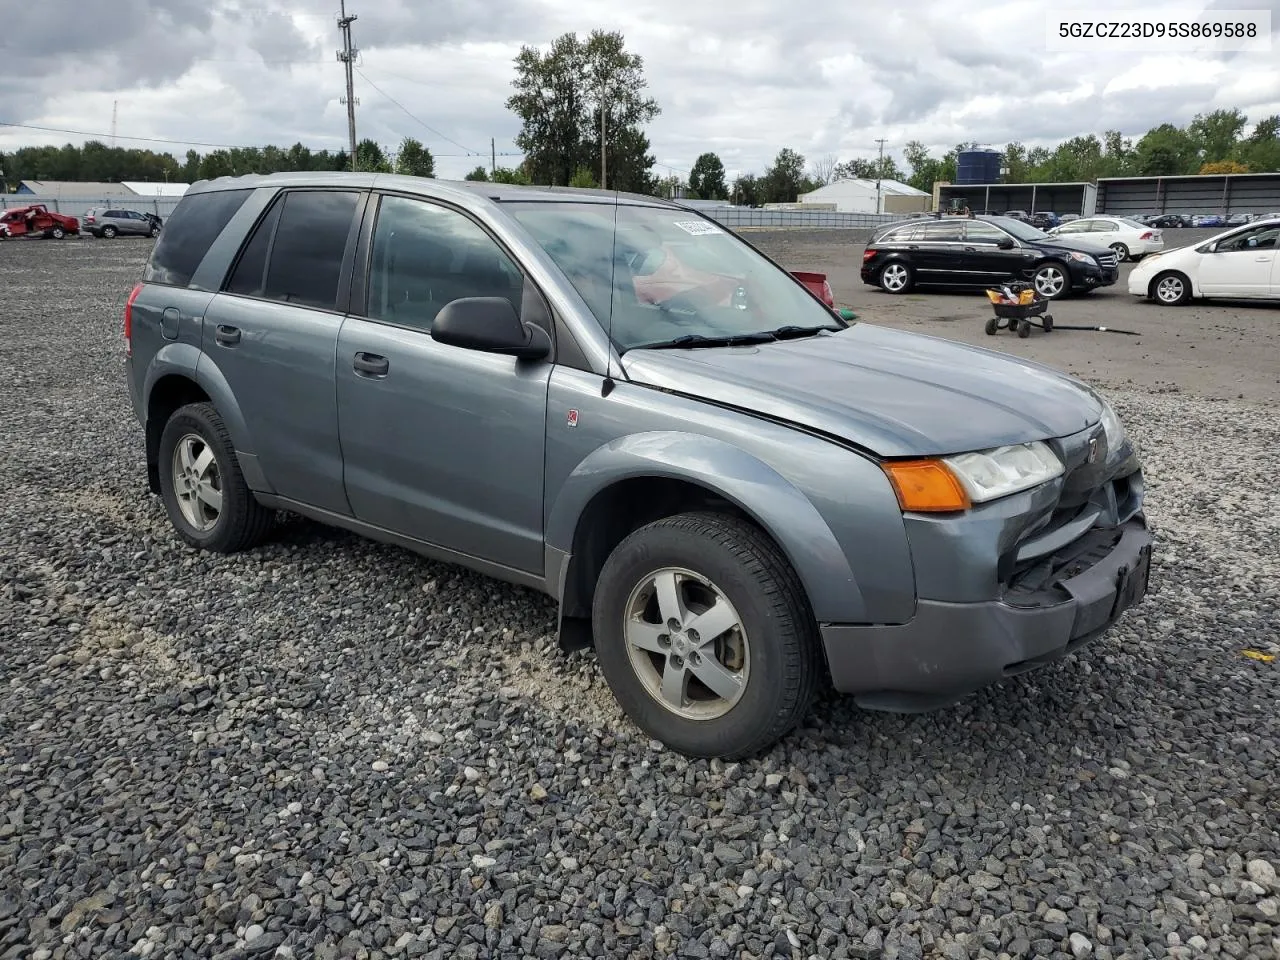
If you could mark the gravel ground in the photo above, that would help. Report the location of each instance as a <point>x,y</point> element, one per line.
<point>330,748</point>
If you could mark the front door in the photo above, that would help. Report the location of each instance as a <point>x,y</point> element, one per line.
<point>1241,266</point>
<point>441,443</point>
<point>272,332</point>
<point>985,261</point>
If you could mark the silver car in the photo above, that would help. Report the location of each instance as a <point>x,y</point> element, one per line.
<point>735,496</point>
<point>111,222</point>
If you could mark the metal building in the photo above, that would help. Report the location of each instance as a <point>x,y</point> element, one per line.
<point>1059,198</point>
<point>1212,193</point>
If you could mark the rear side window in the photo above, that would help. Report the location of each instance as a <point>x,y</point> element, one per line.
<point>310,240</point>
<point>250,274</point>
<point>189,234</point>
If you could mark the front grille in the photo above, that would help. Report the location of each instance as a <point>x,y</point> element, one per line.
<point>1107,260</point>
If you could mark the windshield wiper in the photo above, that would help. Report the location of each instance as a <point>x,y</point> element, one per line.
<point>793,330</point>
<point>700,340</point>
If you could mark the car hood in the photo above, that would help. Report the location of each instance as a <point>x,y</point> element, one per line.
<point>893,393</point>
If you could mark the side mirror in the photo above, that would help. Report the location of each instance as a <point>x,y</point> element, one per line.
<point>1005,244</point>
<point>490,325</point>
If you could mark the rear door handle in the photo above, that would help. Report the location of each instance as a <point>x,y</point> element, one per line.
<point>227,336</point>
<point>371,365</point>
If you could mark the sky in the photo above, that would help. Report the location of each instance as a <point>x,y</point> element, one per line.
<point>742,80</point>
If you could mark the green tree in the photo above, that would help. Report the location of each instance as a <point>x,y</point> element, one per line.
<point>583,177</point>
<point>1261,151</point>
<point>1165,151</point>
<point>784,181</point>
<point>370,158</point>
<point>1215,134</point>
<point>414,160</point>
<point>925,169</point>
<point>479,173</point>
<point>558,99</point>
<point>706,179</point>
<point>509,175</point>
<point>748,190</point>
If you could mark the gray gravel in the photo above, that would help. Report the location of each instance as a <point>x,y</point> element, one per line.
<point>330,748</point>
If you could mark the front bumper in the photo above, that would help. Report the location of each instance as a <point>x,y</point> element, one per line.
<point>950,650</point>
<point>1087,277</point>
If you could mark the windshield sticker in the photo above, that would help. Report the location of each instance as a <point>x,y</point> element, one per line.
<point>698,228</point>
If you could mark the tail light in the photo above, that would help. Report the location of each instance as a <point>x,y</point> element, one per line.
<point>1147,235</point>
<point>128,320</point>
<point>90,219</point>
<point>868,254</point>
<point>828,295</point>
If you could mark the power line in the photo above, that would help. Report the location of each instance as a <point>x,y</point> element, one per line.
<point>469,152</point>
<point>105,136</point>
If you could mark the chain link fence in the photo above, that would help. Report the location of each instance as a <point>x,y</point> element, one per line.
<point>76,206</point>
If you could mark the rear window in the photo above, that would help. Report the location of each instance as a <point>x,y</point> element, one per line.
<point>189,234</point>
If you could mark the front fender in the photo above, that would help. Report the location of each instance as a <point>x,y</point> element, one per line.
<point>776,504</point>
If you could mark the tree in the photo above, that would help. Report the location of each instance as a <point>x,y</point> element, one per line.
<point>479,173</point>
<point>824,169</point>
<point>583,177</point>
<point>1165,151</point>
<point>370,158</point>
<point>784,181</point>
<point>413,159</point>
<point>559,99</point>
<point>1262,150</point>
<point>706,179</point>
<point>1223,166</point>
<point>748,190</point>
<point>508,175</point>
<point>924,168</point>
<point>1215,134</point>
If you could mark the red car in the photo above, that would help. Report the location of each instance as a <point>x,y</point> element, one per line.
<point>36,220</point>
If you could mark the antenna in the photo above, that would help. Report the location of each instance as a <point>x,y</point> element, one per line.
<point>879,174</point>
<point>347,56</point>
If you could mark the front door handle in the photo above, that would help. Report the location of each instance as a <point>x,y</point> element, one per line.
<point>371,365</point>
<point>227,336</point>
<point>972,249</point>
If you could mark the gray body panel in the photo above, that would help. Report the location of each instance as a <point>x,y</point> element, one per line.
<point>491,462</point>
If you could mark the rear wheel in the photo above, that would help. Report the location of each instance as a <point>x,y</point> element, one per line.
<point>1171,289</point>
<point>705,637</point>
<point>1121,251</point>
<point>1024,329</point>
<point>208,502</point>
<point>896,278</point>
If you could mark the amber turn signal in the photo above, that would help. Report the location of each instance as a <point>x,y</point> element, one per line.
<point>926,486</point>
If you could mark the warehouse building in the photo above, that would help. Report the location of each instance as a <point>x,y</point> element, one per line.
<point>861,196</point>
<point>1223,194</point>
<point>1060,198</point>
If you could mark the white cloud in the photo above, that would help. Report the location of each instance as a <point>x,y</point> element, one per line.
<point>743,80</point>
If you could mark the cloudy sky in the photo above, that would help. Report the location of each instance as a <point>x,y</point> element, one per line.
<point>743,79</point>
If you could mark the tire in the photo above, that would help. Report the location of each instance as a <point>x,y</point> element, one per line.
<point>1047,322</point>
<point>1024,329</point>
<point>108,233</point>
<point>1121,251</point>
<point>154,231</point>
<point>1052,280</point>
<point>240,522</point>
<point>57,233</point>
<point>1170,289</point>
<point>771,646</point>
<point>992,326</point>
<point>896,277</point>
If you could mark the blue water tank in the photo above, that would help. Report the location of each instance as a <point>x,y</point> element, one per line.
<point>978,166</point>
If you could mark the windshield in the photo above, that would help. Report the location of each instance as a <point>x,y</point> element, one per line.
<point>668,274</point>
<point>1023,231</point>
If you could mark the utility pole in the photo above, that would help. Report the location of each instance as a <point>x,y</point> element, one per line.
<point>603,163</point>
<point>347,56</point>
<point>115,115</point>
<point>879,174</point>
<point>493,159</point>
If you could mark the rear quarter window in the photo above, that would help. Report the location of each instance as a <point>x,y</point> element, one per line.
<point>189,233</point>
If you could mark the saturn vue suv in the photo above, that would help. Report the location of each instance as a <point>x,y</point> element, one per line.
<point>981,251</point>
<point>734,494</point>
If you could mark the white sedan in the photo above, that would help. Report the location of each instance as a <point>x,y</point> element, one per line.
<point>1127,238</point>
<point>1238,263</point>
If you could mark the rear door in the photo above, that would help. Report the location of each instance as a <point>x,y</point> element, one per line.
<point>272,331</point>
<point>442,444</point>
<point>937,251</point>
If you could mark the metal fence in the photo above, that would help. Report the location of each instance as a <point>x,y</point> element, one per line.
<point>738,217</point>
<point>76,206</point>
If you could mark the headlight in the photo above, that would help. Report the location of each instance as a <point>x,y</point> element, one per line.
<point>1083,258</point>
<point>1112,426</point>
<point>991,474</point>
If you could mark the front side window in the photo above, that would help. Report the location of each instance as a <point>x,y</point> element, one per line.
<point>652,275</point>
<point>425,256</point>
<point>1262,238</point>
<point>976,231</point>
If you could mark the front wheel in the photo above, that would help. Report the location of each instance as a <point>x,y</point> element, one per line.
<point>705,636</point>
<point>895,278</point>
<point>1051,281</point>
<point>1171,289</point>
<point>208,502</point>
<point>57,233</point>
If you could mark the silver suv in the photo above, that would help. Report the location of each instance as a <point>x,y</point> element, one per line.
<point>734,494</point>
<point>111,222</point>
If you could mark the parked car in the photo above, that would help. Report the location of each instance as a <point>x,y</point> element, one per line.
<point>1240,263</point>
<point>1126,238</point>
<point>731,492</point>
<point>981,251</point>
<point>1239,219</point>
<point>37,220</point>
<point>110,222</point>
<point>1209,220</point>
<point>1045,219</point>
<point>1068,217</point>
<point>1166,220</point>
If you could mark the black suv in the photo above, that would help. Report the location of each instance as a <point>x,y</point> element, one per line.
<point>981,251</point>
